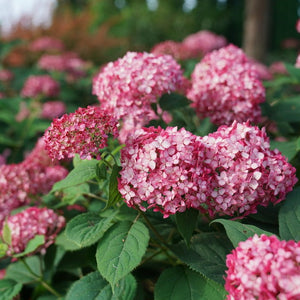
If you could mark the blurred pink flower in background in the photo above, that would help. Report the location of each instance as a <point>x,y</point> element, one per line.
<point>53,109</point>
<point>47,43</point>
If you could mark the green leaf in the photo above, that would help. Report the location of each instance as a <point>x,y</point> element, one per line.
<point>206,255</point>
<point>9,289</point>
<point>94,287</point>
<point>180,283</point>
<point>286,110</point>
<point>75,193</point>
<point>293,71</point>
<point>288,149</point>
<point>121,250</point>
<point>238,232</point>
<point>173,101</point>
<point>83,172</point>
<point>32,245</point>
<point>186,223</point>
<point>6,234</point>
<point>114,194</point>
<point>86,229</point>
<point>3,249</point>
<point>66,244</point>
<point>101,171</point>
<point>289,216</point>
<point>19,272</point>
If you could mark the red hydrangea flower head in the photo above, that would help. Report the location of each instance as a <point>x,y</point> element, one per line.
<point>33,221</point>
<point>245,173</point>
<point>128,86</point>
<point>202,42</point>
<point>84,132</point>
<point>264,268</point>
<point>47,43</point>
<point>37,85</point>
<point>225,87</point>
<point>161,170</point>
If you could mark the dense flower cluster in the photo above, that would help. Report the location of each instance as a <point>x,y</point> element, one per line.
<point>47,43</point>
<point>225,87</point>
<point>202,42</point>
<point>229,172</point>
<point>245,173</point>
<point>67,62</point>
<point>37,85</point>
<point>84,132</point>
<point>33,221</point>
<point>159,168</point>
<point>264,268</point>
<point>21,183</point>
<point>128,86</point>
<point>6,75</point>
<point>53,109</point>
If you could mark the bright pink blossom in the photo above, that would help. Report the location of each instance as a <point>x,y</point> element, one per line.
<point>40,85</point>
<point>47,44</point>
<point>53,109</point>
<point>264,268</point>
<point>202,42</point>
<point>245,173</point>
<point>33,221</point>
<point>84,132</point>
<point>161,170</point>
<point>225,87</point>
<point>128,86</point>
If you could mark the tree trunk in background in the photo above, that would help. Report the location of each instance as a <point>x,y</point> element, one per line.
<point>256,27</point>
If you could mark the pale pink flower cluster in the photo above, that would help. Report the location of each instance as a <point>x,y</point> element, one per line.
<point>175,49</point>
<point>128,87</point>
<point>53,109</point>
<point>23,182</point>
<point>68,62</point>
<point>40,85</point>
<point>84,132</point>
<point>225,87</point>
<point>229,172</point>
<point>6,75</point>
<point>264,268</point>
<point>24,226</point>
<point>47,43</point>
<point>160,169</point>
<point>245,173</point>
<point>203,42</point>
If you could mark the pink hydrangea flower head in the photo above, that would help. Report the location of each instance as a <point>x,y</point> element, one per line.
<point>175,49</point>
<point>37,85</point>
<point>84,132</point>
<point>245,173</point>
<point>202,42</point>
<point>225,87</point>
<point>6,75</point>
<point>264,268</point>
<point>161,169</point>
<point>53,109</point>
<point>68,62</point>
<point>278,67</point>
<point>128,86</point>
<point>47,43</point>
<point>33,221</point>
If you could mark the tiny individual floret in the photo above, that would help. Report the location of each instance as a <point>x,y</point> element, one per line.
<point>202,42</point>
<point>40,85</point>
<point>161,169</point>
<point>84,132</point>
<point>245,173</point>
<point>47,43</point>
<point>24,226</point>
<point>264,268</point>
<point>129,86</point>
<point>225,87</point>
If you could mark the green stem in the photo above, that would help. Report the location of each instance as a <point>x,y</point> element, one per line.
<point>95,197</point>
